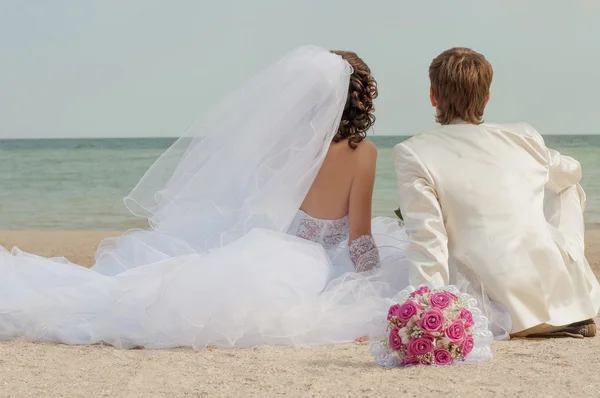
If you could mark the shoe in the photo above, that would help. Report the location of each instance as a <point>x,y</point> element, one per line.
<point>577,330</point>
<point>585,328</point>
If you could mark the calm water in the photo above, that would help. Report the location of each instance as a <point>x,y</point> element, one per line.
<point>79,184</point>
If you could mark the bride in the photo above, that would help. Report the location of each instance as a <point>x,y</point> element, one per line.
<point>261,230</point>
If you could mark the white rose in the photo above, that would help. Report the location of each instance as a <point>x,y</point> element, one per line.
<point>403,333</point>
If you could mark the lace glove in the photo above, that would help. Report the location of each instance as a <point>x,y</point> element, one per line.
<point>364,253</point>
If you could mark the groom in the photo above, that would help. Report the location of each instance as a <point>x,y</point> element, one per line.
<point>492,201</point>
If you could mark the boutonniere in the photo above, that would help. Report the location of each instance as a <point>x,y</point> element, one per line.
<point>399,214</point>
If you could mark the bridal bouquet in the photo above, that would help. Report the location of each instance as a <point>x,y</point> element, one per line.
<point>431,327</point>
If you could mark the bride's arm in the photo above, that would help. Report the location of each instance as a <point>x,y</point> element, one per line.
<point>363,250</point>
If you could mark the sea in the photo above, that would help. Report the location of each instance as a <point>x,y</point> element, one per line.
<point>78,184</point>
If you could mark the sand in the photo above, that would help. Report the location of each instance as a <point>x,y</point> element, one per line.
<point>527,368</point>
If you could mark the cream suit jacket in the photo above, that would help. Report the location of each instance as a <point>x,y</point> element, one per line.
<point>494,200</point>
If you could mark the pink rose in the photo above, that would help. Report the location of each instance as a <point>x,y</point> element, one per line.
<point>441,300</point>
<point>419,292</point>
<point>393,312</point>
<point>421,345</point>
<point>442,356</point>
<point>467,346</point>
<point>395,340</point>
<point>456,331</point>
<point>467,316</point>
<point>408,310</point>
<point>432,320</point>
<point>410,360</point>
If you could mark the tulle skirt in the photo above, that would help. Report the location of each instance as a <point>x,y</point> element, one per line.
<point>265,288</point>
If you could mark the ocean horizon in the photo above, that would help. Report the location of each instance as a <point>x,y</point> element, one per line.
<point>78,184</point>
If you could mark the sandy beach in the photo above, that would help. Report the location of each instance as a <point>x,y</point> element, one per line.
<point>524,368</point>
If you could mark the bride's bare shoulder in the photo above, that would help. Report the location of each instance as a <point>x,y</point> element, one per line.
<point>363,155</point>
<point>366,150</point>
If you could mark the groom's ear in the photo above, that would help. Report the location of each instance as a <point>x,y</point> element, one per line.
<point>488,98</point>
<point>432,97</point>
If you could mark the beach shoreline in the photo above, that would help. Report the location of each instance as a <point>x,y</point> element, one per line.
<point>527,368</point>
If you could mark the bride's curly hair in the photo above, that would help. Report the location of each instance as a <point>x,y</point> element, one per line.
<point>358,114</point>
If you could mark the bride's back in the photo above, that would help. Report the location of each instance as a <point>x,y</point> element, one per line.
<point>330,195</point>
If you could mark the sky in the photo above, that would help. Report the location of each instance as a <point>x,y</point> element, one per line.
<point>138,68</point>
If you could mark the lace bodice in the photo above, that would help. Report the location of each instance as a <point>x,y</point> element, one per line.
<point>331,233</point>
<point>328,233</point>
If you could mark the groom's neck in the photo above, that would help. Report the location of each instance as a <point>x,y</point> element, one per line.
<point>458,120</point>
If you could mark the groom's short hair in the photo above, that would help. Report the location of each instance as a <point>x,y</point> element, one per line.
<point>461,79</point>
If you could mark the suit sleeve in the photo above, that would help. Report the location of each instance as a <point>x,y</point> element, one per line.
<point>428,242</point>
<point>563,171</point>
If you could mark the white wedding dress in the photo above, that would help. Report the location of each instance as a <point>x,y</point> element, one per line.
<point>265,288</point>
<point>230,260</point>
